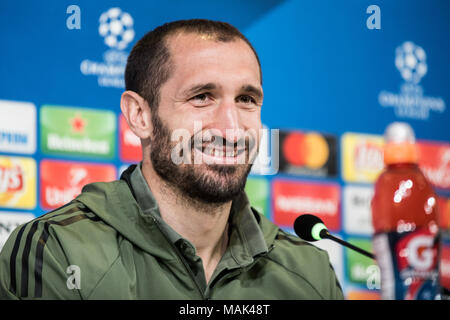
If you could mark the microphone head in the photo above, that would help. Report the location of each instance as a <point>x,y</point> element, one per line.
<point>308,227</point>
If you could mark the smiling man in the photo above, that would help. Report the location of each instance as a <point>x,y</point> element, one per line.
<point>174,229</point>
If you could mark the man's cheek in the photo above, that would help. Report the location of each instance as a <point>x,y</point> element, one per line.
<point>181,147</point>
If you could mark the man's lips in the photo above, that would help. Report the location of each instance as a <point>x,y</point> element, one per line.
<point>220,151</point>
<point>210,148</point>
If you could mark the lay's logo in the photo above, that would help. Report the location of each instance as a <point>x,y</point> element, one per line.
<point>362,157</point>
<point>17,182</point>
<point>368,156</point>
<point>11,179</point>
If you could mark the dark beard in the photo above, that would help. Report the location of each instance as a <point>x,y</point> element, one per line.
<point>214,183</point>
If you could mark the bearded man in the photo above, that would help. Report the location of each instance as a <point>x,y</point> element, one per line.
<point>178,225</point>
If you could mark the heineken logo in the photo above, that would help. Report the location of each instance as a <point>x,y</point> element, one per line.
<point>78,123</point>
<point>78,131</point>
<point>85,145</point>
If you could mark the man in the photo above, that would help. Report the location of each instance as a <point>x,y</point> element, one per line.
<point>178,225</point>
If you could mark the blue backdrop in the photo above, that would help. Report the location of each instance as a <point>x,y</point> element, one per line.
<point>323,69</point>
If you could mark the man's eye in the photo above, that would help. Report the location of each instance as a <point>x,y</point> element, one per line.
<point>200,98</point>
<point>246,99</point>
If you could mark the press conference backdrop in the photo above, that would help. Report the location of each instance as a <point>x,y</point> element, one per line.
<point>335,74</point>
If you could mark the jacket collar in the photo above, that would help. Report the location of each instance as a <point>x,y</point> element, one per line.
<point>115,203</point>
<point>146,201</point>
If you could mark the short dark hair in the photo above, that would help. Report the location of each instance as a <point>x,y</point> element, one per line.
<point>148,66</point>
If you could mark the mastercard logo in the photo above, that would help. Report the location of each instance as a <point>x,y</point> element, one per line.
<point>306,149</point>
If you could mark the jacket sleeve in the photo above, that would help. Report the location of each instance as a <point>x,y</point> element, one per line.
<point>33,265</point>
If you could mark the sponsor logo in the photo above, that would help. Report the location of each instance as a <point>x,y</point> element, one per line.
<point>291,199</point>
<point>76,131</point>
<point>116,28</point>
<point>410,60</point>
<point>417,262</point>
<point>409,263</point>
<point>308,153</point>
<point>257,190</point>
<point>17,127</point>
<point>129,143</point>
<point>17,182</point>
<point>359,269</point>
<point>362,157</point>
<point>420,259</point>
<point>435,162</point>
<point>61,181</point>
<point>357,210</point>
<point>10,221</point>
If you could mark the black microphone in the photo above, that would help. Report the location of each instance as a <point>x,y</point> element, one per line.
<point>311,228</point>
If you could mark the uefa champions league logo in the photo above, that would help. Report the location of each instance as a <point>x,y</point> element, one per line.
<point>116,29</point>
<point>410,60</point>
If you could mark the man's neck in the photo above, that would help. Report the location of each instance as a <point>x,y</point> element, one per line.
<point>204,225</point>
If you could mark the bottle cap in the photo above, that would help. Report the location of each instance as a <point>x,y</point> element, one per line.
<point>400,144</point>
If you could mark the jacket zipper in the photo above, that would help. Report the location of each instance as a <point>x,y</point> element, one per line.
<point>182,260</point>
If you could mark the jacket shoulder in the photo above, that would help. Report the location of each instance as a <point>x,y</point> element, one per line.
<point>306,261</point>
<point>40,256</point>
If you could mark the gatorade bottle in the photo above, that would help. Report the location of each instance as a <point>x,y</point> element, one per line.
<point>404,217</point>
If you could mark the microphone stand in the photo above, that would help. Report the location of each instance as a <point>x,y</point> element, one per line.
<point>324,234</point>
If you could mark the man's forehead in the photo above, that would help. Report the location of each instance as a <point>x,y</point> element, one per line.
<point>182,37</point>
<point>202,48</point>
<point>183,42</point>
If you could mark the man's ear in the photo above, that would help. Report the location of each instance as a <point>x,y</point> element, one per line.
<point>137,113</point>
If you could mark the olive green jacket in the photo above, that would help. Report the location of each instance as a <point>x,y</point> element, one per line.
<point>103,246</point>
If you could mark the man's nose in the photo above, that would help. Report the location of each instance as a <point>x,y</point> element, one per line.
<point>226,117</point>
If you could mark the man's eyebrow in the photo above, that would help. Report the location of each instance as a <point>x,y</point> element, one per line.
<point>252,89</point>
<point>199,88</point>
<point>248,88</point>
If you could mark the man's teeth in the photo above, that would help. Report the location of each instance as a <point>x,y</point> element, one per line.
<point>218,152</point>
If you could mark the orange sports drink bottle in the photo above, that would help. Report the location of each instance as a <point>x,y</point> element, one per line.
<point>404,217</point>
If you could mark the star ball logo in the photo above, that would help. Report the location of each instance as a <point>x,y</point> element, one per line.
<point>410,60</point>
<point>116,28</point>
